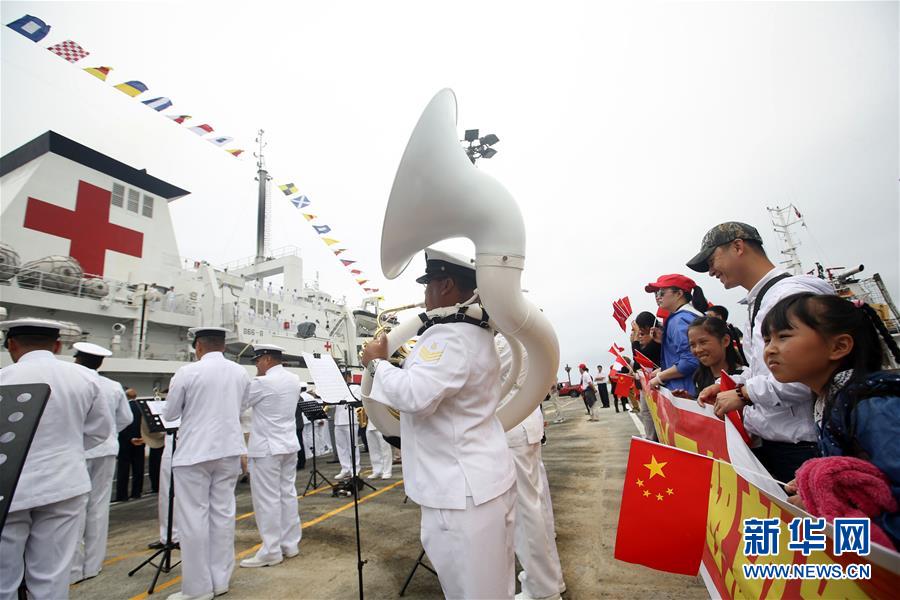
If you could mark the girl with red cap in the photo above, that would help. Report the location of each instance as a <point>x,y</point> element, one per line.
<point>684,301</point>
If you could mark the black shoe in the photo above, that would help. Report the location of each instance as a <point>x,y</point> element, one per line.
<point>155,545</point>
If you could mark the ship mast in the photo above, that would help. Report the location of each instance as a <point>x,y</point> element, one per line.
<point>263,215</point>
<point>782,221</point>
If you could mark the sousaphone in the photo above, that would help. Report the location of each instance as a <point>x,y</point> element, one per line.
<point>439,194</point>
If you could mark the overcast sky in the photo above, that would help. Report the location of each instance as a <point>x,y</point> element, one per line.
<point>627,130</point>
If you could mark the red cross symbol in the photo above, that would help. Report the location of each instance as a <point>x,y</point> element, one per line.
<point>88,227</point>
<point>328,346</point>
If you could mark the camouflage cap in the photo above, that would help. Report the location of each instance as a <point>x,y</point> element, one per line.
<point>722,233</point>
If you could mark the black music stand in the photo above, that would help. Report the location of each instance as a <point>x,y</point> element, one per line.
<point>419,563</point>
<point>351,406</point>
<point>20,412</point>
<point>313,412</point>
<point>357,481</point>
<point>165,564</point>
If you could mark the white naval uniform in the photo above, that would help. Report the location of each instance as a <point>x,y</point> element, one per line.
<point>536,548</point>
<point>42,526</point>
<point>345,428</point>
<point>273,461</point>
<point>101,464</point>
<point>456,465</point>
<point>380,452</point>
<point>208,396</point>
<point>162,503</point>
<point>535,541</point>
<point>319,430</point>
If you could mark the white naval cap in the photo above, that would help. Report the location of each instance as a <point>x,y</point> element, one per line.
<point>202,332</point>
<point>261,350</point>
<point>92,349</point>
<point>30,326</point>
<point>441,262</point>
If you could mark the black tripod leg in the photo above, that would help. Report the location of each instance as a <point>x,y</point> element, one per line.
<point>413,572</point>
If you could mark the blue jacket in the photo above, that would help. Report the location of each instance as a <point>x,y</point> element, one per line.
<point>676,350</point>
<point>864,422</point>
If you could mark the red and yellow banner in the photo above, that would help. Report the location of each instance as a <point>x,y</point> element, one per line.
<point>740,488</point>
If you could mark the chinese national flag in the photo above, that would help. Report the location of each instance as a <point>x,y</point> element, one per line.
<point>624,385</point>
<point>665,499</point>
<point>644,361</point>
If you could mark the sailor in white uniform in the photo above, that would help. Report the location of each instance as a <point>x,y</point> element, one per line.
<point>535,542</point>
<point>345,428</point>
<point>272,452</point>
<point>456,464</point>
<point>318,432</point>
<point>207,396</point>
<point>42,527</point>
<point>380,453</point>
<point>101,464</point>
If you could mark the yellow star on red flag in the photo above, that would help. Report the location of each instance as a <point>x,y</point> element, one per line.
<point>656,468</point>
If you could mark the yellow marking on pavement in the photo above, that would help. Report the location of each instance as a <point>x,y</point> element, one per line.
<point>315,491</point>
<point>252,549</point>
<point>115,559</point>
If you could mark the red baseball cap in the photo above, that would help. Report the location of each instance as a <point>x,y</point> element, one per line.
<point>582,366</point>
<point>671,281</point>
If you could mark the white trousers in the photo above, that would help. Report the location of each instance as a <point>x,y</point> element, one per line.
<point>472,549</point>
<point>535,547</point>
<point>319,429</point>
<point>274,494</point>
<point>162,500</point>
<point>343,436</point>
<point>647,419</point>
<point>380,454</point>
<point>90,550</point>
<point>40,543</point>
<point>204,511</point>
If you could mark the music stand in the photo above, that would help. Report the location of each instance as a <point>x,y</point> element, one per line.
<point>356,479</point>
<point>419,563</point>
<point>156,425</point>
<point>313,412</point>
<point>20,412</point>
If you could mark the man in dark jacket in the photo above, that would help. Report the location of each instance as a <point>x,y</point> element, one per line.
<point>131,455</point>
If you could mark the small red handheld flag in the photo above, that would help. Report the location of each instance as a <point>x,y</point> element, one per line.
<point>621,311</point>
<point>644,361</point>
<point>726,383</point>
<point>665,500</point>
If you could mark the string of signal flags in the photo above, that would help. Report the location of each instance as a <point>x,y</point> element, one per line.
<point>35,29</point>
<point>324,232</point>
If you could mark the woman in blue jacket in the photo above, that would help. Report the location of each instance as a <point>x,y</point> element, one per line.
<point>684,301</point>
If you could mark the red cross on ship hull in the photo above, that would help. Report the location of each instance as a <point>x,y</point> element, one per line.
<point>87,227</point>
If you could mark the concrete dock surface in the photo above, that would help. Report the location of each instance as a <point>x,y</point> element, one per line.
<point>585,464</point>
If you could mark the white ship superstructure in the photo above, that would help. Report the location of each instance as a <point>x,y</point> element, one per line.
<point>89,240</point>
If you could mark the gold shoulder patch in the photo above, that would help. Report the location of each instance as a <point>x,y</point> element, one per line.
<point>430,355</point>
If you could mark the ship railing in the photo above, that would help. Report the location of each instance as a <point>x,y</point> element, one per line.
<point>99,288</point>
<point>251,260</point>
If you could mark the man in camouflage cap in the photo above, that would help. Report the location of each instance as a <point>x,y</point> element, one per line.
<point>779,415</point>
<point>721,234</point>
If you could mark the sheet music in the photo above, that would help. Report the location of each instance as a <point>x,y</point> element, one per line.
<point>330,384</point>
<point>156,407</point>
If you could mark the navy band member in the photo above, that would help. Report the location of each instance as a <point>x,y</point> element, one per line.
<point>272,453</point>
<point>207,396</point>
<point>42,526</point>
<point>456,464</point>
<point>101,464</point>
